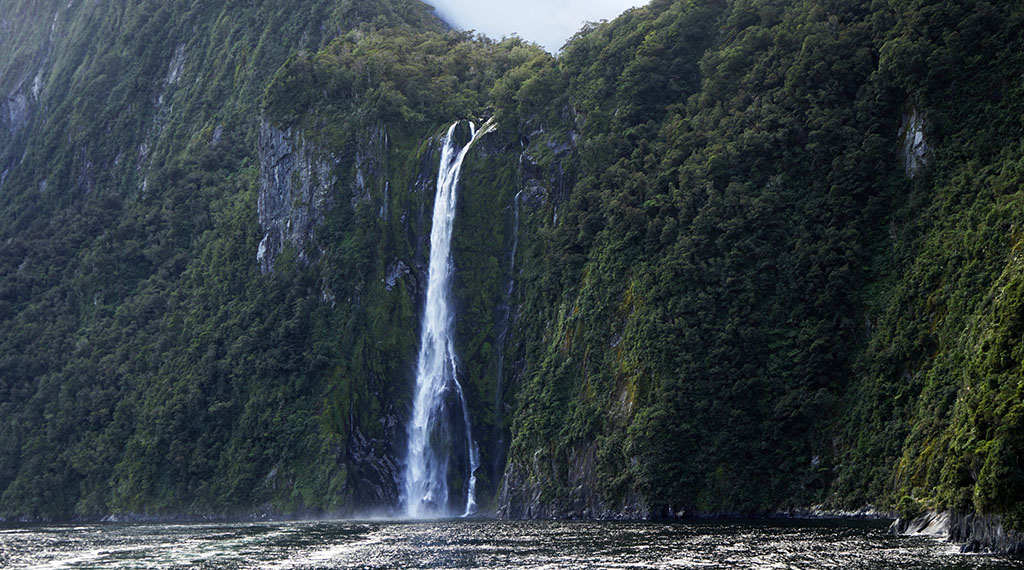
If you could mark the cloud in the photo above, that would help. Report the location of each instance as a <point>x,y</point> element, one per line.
<point>547,22</point>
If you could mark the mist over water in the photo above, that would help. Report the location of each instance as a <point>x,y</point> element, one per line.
<point>807,545</point>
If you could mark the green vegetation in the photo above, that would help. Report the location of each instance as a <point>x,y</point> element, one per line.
<point>147,367</point>
<point>745,282</point>
<point>769,256</point>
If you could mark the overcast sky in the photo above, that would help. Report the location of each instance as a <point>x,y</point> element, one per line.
<point>547,22</point>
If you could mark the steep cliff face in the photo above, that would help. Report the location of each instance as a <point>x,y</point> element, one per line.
<point>667,252</point>
<point>302,188</point>
<point>130,151</point>
<point>15,115</point>
<point>295,191</point>
<point>392,173</point>
<point>31,31</point>
<point>14,110</point>
<point>915,147</point>
<point>708,242</point>
<point>567,487</point>
<point>977,534</point>
<point>695,310</point>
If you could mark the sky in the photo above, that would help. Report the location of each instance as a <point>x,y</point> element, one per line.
<point>546,22</point>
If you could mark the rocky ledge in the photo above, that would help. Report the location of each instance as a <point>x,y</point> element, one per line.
<point>975,533</point>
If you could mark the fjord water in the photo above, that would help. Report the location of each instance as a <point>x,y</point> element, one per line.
<point>425,485</point>
<point>807,545</point>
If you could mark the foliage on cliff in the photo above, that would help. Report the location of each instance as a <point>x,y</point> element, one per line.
<point>407,88</point>
<point>750,301</point>
<point>736,165</point>
<point>145,364</point>
<point>769,255</point>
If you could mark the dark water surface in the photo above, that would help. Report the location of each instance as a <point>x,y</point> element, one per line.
<point>480,544</point>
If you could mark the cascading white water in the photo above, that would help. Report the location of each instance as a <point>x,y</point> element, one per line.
<point>425,485</point>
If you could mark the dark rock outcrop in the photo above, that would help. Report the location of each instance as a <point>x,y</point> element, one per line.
<point>975,533</point>
<point>374,473</point>
<point>523,491</point>
<point>295,186</point>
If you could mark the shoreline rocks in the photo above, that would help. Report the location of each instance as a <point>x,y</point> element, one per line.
<point>977,534</point>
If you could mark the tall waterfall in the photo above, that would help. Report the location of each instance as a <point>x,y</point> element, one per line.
<point>425,484</point>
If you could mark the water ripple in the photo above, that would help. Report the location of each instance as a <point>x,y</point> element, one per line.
<point>767,545</point>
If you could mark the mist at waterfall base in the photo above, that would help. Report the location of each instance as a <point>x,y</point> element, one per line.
<point>438,393</point>
<point>462,543</point>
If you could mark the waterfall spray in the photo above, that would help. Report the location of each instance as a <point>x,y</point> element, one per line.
<point>425,485</point>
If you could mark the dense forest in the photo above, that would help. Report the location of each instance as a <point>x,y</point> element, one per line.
<point>717,256</point>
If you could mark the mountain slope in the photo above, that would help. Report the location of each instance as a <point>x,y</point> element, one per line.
<point>756,271</point>
<point>147,366</point>
<point>717,257</point>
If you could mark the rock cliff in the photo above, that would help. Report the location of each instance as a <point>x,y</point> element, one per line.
<point>296,184</point>
<point>974,533</point>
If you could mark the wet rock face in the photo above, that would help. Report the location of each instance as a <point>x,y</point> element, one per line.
<point>17,110</point>
<point>548,177</point>
<point>297,187</point>
<point>371,168</point>
<point>176,66</point>
<point>915,147</point>
<point>15,115</point>
<point>529,480</point>
<point>295,192</point>
<point>374,471</point>
<point>522,490</point>
<point>396,270</point>
<point>975,533</point>
<point>14,112</point>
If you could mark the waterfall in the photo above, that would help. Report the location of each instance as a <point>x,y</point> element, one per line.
<point>425,485</point>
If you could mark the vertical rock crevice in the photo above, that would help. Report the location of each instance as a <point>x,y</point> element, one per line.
<point>915,147</point>
<point>294,193</point>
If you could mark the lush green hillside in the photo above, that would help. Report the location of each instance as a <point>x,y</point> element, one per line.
<point>718,256</point>
<point>147,366</point>
<point>790,252</point>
